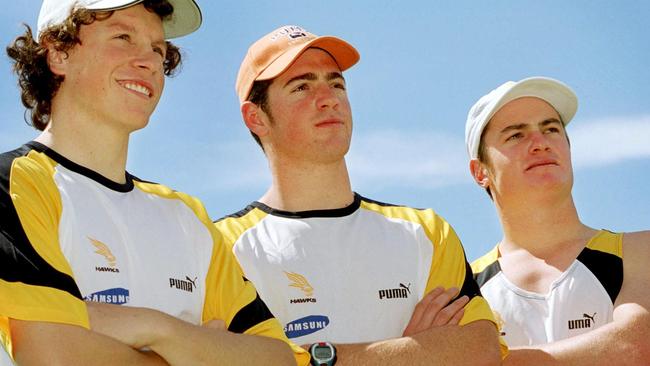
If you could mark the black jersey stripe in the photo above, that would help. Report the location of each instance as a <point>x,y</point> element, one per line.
<point>20,262</point>
<point>127,186</point>
<point>336,212</point>
<point>608,269</point>
<point>470,287</point>
<point>487,273</point>
<point>238,214</point>
<point>250,315</point>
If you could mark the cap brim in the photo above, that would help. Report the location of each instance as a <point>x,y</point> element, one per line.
<point>185,19</point>
<point>343,53</point>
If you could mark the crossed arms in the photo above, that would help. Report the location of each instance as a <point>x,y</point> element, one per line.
<point>625,341</point>
<point>119,333</point>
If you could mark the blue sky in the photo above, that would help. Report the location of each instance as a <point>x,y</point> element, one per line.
<point>423,64</point>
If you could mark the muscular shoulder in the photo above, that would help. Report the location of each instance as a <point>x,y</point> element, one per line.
<point>636,254</point>
<point>636,248</point>
<point>637,238</point>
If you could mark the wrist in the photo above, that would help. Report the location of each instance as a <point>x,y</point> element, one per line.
<point>322,354</point>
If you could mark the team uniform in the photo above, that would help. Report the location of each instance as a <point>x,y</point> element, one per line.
<point>349,275</point>
<point>68,234</point>
<point>580,300</point>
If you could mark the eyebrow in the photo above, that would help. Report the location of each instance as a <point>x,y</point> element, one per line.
<point>118,25</point>
<point>521,126</point>
<point>312,76</point>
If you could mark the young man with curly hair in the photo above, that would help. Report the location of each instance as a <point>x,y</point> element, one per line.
<point>99,266</point>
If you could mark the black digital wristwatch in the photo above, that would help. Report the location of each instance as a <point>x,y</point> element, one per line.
<point>322,354</point>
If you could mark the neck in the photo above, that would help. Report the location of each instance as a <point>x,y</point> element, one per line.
<point>542,227</point>
<point>86,142</point>
<point>307,186</point>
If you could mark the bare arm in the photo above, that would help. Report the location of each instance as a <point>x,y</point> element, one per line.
<point>625,341</point>
<point>182,343</point>
<point>42,343</point>
<point>472,344</point>
<point>432,337</point>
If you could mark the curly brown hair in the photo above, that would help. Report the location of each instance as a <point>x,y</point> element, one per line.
<point>38,84</point>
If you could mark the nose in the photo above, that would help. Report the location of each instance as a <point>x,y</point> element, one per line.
<point>538,142</point>
<point>326,97</point>
<point>149,60</point>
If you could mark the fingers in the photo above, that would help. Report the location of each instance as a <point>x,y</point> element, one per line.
<point>455,320</point>
<point>452,313</point>
<point>436,306</point>
<point>436,310</point>
<point>414,323</point>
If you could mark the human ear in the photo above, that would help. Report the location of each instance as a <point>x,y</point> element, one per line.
<point>255,118</point>
<point>56,60</point>
<point>479,172</point>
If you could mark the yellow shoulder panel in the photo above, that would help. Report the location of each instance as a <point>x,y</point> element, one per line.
<point>488,258</point>
<point>608,242</point>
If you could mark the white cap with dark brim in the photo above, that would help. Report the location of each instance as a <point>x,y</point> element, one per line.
<point>554,92</point>
<point>185,19</point>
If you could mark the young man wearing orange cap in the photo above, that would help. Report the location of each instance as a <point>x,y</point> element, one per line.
<point>352,279</point>
<point>77,229</point>
<point>565,293</point>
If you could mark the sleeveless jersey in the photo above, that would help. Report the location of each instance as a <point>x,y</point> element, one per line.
<point>580,300</point>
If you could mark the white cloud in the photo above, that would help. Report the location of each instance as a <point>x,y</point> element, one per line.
<point>607,141</point>
<point>391,158</point>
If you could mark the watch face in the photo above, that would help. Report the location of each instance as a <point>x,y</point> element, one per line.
<point>322,353</point>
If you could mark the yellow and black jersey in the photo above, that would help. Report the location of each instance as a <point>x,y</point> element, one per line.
<point>68,234</point>
<point>580,300</point>
<point>349,275</point>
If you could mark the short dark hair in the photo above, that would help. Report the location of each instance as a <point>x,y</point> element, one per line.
<point>38,84</point>
<point>483,156</point>
<point>259,96</point>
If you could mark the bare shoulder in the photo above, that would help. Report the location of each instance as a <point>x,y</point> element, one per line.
<point>636,254</point>
<point>636,243</point>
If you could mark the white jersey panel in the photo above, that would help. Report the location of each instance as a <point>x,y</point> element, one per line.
<point>576,303</point>
<point>133,248</point>
<point>309,271</point>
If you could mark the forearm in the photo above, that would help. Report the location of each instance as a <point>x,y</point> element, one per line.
<point>472,344</point>
<point>39,343</point>
<point>186,344</point>
<point>183,343</point>
<point>617,343</point>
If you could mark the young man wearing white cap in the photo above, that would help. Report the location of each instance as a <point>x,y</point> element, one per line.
<point>77,229</point>
<point>565,293</point>
<point>354,280</point>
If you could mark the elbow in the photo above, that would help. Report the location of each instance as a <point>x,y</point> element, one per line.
<point>283,355</point>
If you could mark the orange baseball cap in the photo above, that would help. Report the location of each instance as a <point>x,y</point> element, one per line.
<point>272,54</point>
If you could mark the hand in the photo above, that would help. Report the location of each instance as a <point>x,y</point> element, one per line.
<point>434,310</point>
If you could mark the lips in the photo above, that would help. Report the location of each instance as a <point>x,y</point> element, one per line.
<point>139,87</point>
<point>542,163</point>
<point>329,122</point>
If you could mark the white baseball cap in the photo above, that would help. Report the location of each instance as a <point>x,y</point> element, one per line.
<point>185,19</point>
<point>554,92</point>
